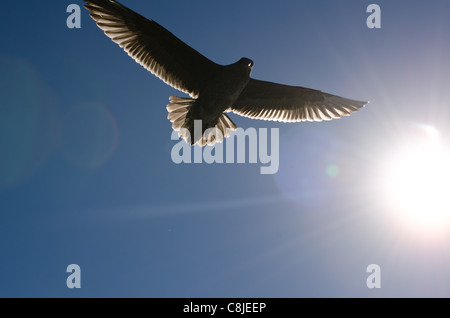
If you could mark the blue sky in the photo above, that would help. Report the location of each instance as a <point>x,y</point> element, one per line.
<point>86,175</point>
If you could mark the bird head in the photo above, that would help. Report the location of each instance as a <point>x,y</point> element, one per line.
<point>246,63</point>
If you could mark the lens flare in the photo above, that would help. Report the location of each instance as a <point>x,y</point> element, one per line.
<point>89,135</point>
<point>29,122</point>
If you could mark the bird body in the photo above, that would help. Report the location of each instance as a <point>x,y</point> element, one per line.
<point>223,89</point>
<point>214,89</point>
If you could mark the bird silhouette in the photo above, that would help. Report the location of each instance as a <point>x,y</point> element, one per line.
<point>214,89</point>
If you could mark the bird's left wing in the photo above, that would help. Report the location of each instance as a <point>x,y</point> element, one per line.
<point>152,46</point>
<point>277,102</point>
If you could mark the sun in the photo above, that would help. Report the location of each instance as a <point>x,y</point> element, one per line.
<point>417,182</point>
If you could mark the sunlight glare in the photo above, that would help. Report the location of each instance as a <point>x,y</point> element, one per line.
<point>418,182</point>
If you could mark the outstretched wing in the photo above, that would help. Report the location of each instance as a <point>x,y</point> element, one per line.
<point>271,101</point>
<point>152,46</point>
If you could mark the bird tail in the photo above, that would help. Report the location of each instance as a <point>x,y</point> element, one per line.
<point>219,132</point>
<point>178,110</point>
<point>178,114</point>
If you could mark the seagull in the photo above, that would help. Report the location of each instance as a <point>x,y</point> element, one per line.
<point>214,89</point>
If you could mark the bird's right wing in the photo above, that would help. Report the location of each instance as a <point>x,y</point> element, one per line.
<point>277,102</point>
<point>152,46</point>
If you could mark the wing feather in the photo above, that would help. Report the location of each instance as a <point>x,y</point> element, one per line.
<point>152,46</point>
<point>271,101</point>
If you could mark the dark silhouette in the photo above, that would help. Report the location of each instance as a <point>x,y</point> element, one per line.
<point>214,89</point>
